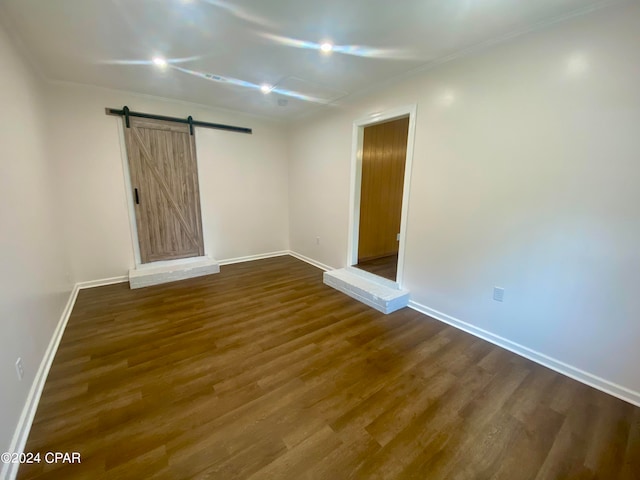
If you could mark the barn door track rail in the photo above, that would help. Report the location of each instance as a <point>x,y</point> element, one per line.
<point>126,113</point>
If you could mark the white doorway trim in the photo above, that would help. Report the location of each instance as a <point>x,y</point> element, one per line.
<point>356,179</point>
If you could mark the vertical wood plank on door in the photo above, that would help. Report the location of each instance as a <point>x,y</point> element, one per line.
<point>383,165</point>
<point>163,167</point>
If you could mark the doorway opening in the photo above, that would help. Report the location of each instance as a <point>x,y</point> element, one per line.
<point>381,168</point>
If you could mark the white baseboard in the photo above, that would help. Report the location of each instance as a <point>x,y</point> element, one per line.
<point>587,378</point>
<point>19,440</point>
<point>250,258</point>
<point>310,261</point>
<point>102,282</point>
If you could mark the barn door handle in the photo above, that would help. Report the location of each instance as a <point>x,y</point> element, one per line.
<point>137,196</point>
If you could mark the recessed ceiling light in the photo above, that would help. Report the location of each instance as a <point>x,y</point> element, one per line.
<point>326,47</point>
<point>160,62</point>
<point>266,88</point>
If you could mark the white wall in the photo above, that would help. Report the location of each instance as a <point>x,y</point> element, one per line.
<point>33,287</point>
<point>525,176</point>
<point>243,179</point>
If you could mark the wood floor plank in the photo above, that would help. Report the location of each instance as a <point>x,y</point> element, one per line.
<point>262,371</point>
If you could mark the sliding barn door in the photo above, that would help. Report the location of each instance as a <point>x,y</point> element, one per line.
<point>164,178</point>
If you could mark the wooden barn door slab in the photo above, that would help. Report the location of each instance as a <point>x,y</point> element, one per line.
<point>164,178</point>
<point>383,163</point>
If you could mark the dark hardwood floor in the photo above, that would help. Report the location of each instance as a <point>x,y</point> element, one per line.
<point>264,372</point>
<point>386,267</point>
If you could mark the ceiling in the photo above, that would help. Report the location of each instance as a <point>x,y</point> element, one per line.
<point>220,52</point>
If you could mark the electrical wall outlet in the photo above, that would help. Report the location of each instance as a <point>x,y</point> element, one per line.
<point>317,240</point>
<point>20,368</point>
<point>498,294</point>
<point>398,238</point>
